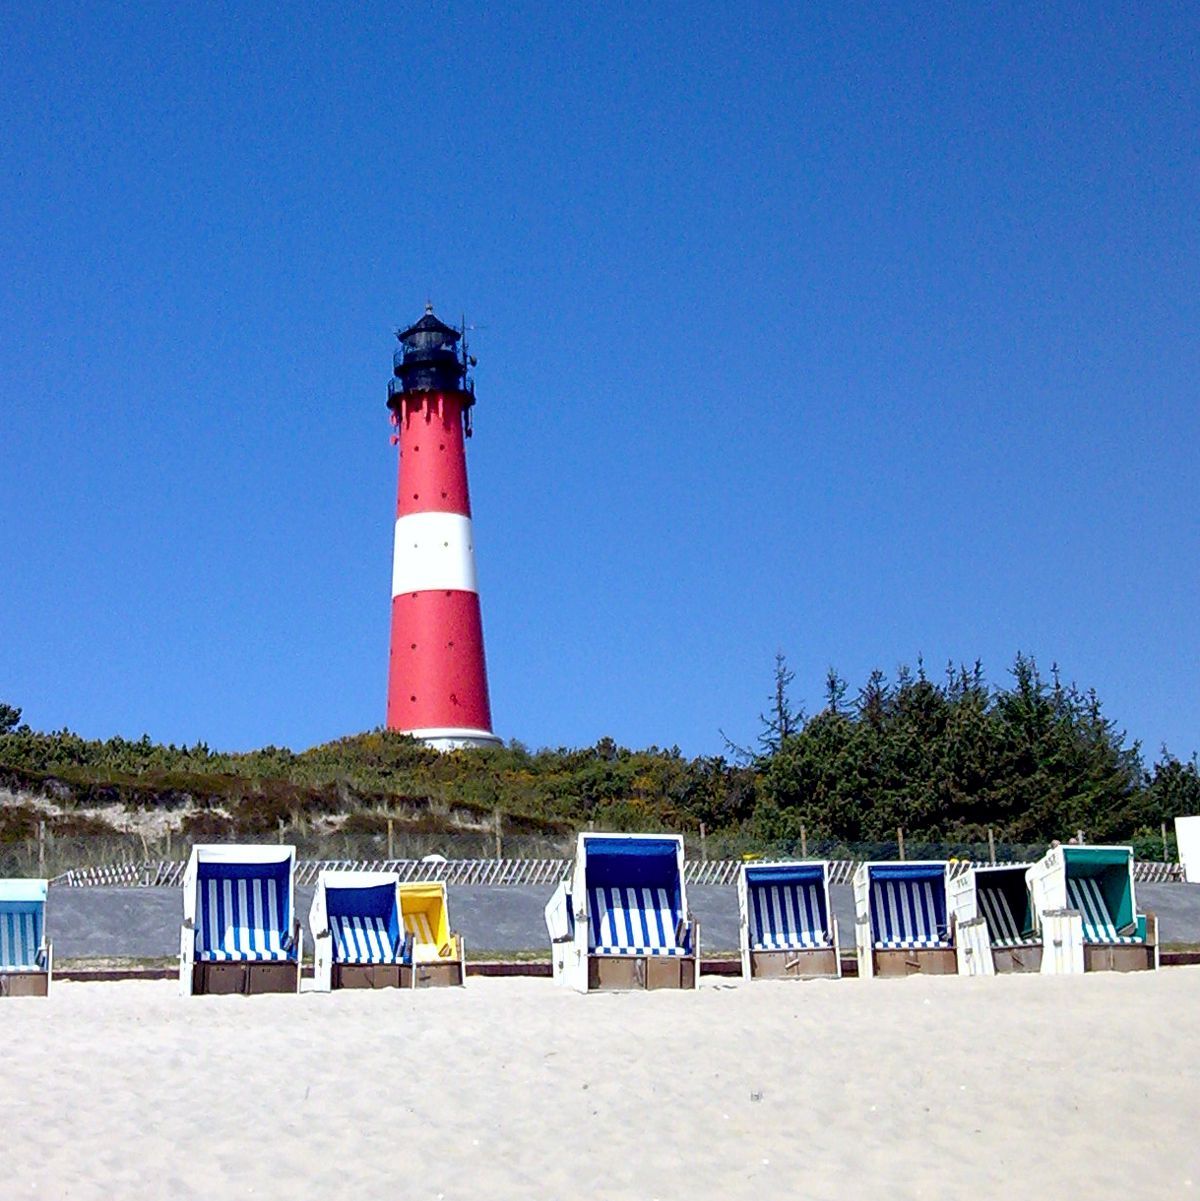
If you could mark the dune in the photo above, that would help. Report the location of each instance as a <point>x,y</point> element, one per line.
<point>511,1088</point>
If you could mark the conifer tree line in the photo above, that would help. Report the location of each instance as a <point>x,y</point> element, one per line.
<point>944,759</point>
<point>947,759</point>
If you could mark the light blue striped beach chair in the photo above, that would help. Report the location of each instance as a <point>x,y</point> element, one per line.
<point>622,919</point>
<point>787,924</point>
<point>902,920</point>
<point>26,956</point>
<point>239,933</point>
<point>358,931</point>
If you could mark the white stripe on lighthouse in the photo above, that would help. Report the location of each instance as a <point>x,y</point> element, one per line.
<point>434,552</point>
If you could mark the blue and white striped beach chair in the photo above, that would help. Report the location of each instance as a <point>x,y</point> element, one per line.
<point>358,931</point>
<point>240,933</point>
<point>902,921</point>
<point>26,957</point>
<point>622,920</point>
<point>787,924</point>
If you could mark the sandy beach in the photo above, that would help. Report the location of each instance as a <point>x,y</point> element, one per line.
<point>514,1089</point>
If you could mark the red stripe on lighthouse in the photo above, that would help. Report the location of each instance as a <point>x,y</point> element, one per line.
<point>433,460</point>
<point>438,674</point>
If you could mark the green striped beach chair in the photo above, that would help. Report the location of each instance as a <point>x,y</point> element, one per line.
<point>1084,904</point>
<point>995,928</point>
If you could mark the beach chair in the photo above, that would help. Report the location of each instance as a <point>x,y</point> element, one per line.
<point>358,932</point>
<point>26,958</point>
<point>1084,895</point>
<point>240,933</point>
<point>621,920</point>
<point>439,956</point>
<point>787,925</point>
<point>994,925</point>
<point>901,919</point>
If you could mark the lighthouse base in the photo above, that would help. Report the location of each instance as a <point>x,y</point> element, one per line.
<point>454,740</point>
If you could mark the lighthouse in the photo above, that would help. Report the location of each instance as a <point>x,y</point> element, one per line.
<point>437,678</point>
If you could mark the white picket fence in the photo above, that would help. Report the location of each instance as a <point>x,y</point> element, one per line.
<point>485,872</point>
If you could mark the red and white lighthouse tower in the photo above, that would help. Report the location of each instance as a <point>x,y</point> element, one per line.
<point>437,680</point>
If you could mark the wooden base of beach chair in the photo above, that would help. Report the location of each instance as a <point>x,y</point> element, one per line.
<point>924,961</point>
<point>614,973</point>
<point>794,965</point>
<point>1131,957</point>
<point>1017,959</point>
<point>439,975</point>
<point>244,979</point>
<point>24,984</point>
<point>1124,957</point>
<point>373,975</point>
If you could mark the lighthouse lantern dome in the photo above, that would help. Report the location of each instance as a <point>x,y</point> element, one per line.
<point>428,358</point>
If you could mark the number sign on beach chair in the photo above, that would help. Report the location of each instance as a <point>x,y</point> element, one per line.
<point>240,933</point>
<point>994,925</point>
<point>621,920</point>
<point>787,925</point>
<point>1084,895</point>
<point>26,958</point>
<point>901,919</point>
<point>439,956</point>
<point>358,931</point>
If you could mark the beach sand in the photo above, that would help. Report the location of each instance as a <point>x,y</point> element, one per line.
<point>925,1087</point>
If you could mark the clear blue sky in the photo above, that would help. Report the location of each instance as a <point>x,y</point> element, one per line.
<point>853,332</point>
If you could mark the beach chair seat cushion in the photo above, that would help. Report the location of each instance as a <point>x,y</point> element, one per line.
<point>1003,929</point>
<point>21,941</point>
<point>906,914</point>
<point>360,939</point>
<point>242,920</point>
<point>787,917</point>
<point>1084,894</point>
<point>634,921</point>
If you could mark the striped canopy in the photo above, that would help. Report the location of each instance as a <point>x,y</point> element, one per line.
<point>909,912</point>
<point>21,947</point>
<point>1084,893</point>
<point>787,916</point>
<point>635,921</point>
<point>243,919</point>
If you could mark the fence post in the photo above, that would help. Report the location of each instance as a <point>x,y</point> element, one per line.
<point>703,844</point>
<point>42,848</point>
<point>168,843</point>
<point>803,842</point>
<point>281,831</point>
<point>1164,834</point>
<point>900,840</point>
<point>992,846</point>
<point>499,843</point>
<point>391,839</point>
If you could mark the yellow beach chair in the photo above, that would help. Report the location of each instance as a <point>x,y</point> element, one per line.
<point>438,954</point>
